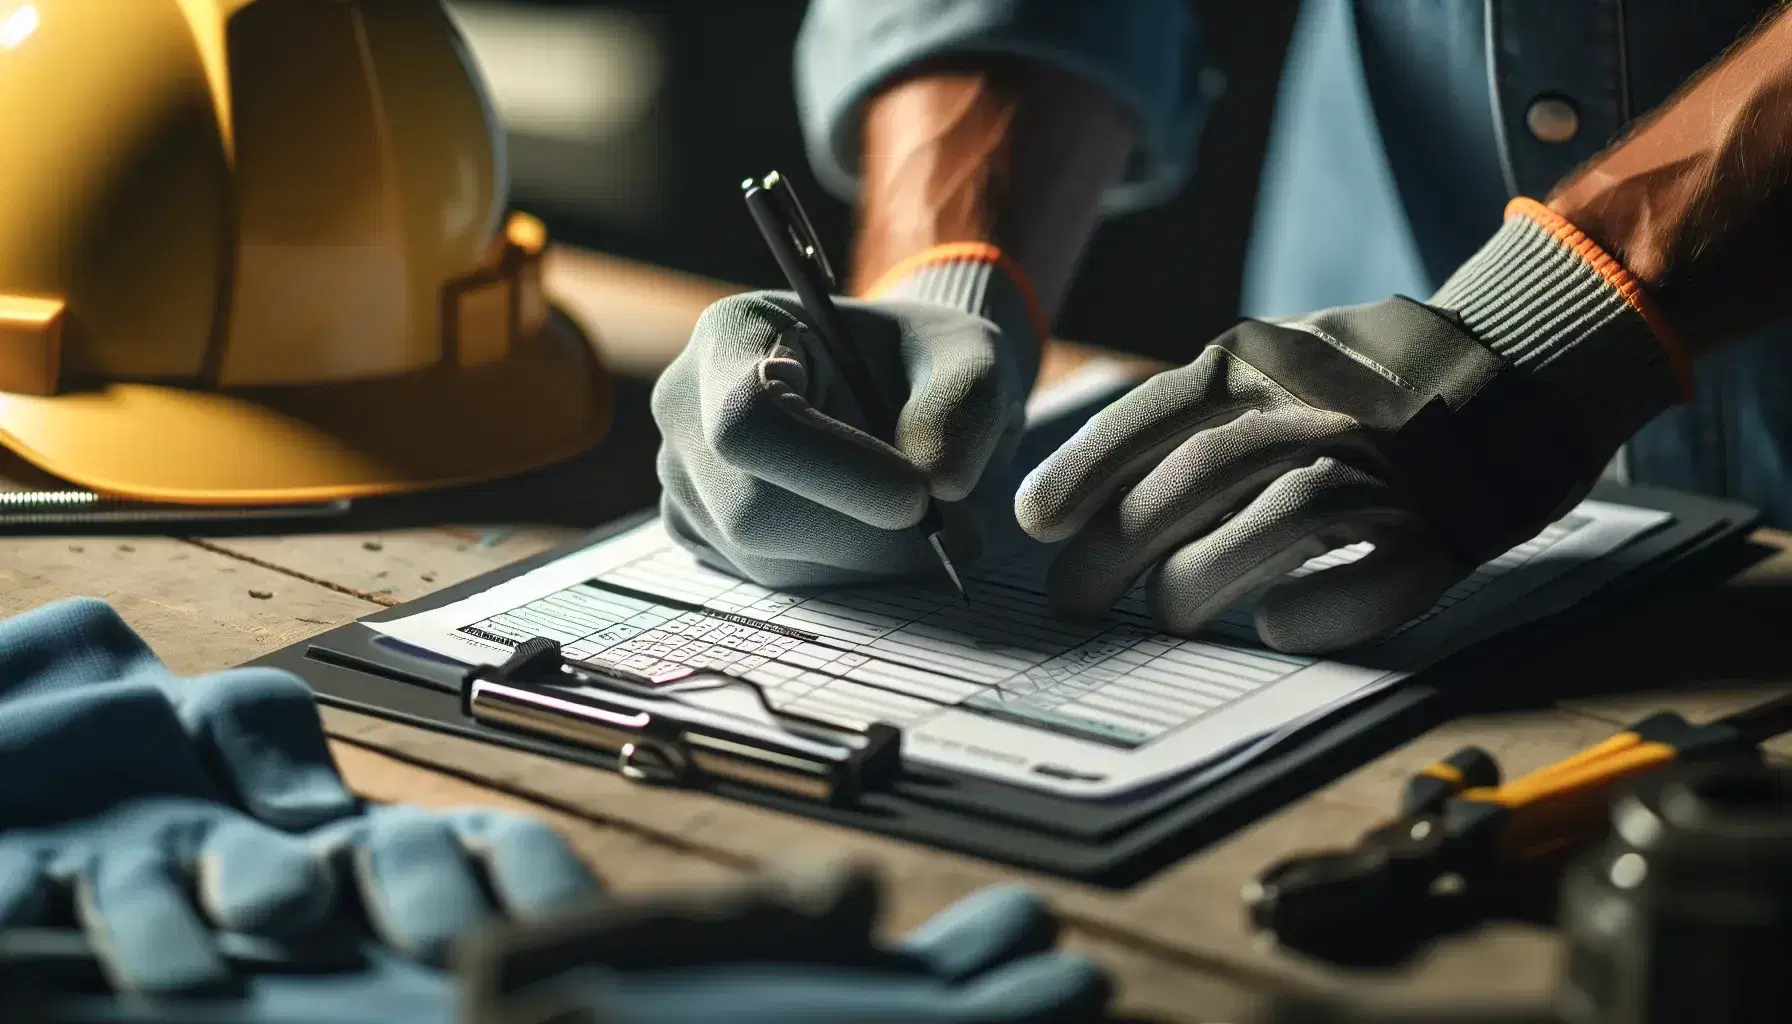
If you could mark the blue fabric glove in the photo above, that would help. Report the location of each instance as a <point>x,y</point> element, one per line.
<point>987,958</point>
<point>198,834</point>
<point>254,734</point>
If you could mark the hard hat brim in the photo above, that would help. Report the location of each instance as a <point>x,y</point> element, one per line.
<point>548,400</point>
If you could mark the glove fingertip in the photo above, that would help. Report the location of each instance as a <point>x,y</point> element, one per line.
<point>261,727</point>
<point>1040,509</point>
<point>1400,579</point>
<point>1073,594</point>
<point>1051,988</point>
<point>70,643</point>
<point>532,870</point>
<point>953,446</point>
<point>986,928</point>
<point>146,934</point>
<point>257,881</point>
<point>23,892</point>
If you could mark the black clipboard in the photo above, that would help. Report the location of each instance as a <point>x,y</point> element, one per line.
<point>1103,843</point>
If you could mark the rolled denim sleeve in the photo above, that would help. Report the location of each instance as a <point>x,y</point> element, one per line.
<point>1143,53</point>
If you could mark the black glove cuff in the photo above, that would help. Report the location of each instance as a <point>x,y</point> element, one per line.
<point>1546,306</point>
<point>1486,454</point>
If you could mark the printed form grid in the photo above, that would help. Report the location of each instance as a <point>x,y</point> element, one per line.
<point>899,654</point>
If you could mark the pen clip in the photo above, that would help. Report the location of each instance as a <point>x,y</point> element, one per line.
<point>796,223</point>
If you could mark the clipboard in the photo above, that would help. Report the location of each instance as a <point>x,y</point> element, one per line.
<point>1102,843</point>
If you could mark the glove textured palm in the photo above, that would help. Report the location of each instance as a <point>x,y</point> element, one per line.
<point>772,471</point>
<point>1393,423</point>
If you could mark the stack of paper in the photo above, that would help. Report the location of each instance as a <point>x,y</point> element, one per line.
<point>998,688</point>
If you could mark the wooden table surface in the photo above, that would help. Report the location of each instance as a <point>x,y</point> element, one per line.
<point>1177,942</point>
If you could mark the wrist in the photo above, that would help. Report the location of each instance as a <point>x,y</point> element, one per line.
<point>980,279</point>
<point>1550,301</point>
<point>988,149</point>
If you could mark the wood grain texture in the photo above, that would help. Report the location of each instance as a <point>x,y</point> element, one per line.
<point>199,609</point>
<point>399,565</point>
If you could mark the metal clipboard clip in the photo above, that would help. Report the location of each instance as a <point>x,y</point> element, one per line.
<point>702,728</point>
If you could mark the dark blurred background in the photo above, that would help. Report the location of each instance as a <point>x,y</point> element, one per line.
<point>632,121</point>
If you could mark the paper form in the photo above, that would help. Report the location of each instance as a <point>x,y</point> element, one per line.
<point>1000,688</point>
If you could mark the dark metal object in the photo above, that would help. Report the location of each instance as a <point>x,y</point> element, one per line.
<point>1462,853</point>
<point>38,511</point>
<point>1685,913</point>
<point>526,973</point>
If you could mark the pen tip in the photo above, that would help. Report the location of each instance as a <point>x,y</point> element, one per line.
<point>939,549</point>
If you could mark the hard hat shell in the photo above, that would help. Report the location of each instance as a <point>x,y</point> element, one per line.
<point>256,251</point>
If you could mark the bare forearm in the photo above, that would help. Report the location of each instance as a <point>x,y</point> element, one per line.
<point>1697,201</point>
<point>1000,152</point>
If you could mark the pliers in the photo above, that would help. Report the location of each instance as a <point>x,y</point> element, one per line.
<point>1467,847</point>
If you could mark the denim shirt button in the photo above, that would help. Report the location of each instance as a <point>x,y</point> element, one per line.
<point>1552,119</point>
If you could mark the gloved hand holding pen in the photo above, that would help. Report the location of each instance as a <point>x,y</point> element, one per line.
<point>771,467</point>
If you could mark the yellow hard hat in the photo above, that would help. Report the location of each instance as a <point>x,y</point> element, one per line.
<point>255,251</point>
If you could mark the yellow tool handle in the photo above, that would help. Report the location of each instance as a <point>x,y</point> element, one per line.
<point>1567,802</point>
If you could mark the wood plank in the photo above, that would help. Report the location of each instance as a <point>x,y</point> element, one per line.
<point>200,610</point>
<point>395,566</point>
<point>638,316</point>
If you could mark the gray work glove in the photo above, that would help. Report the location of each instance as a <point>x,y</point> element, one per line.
<point>1442,433</point>
<point>769,467</point>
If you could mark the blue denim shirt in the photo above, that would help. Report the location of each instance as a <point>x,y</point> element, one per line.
<point>1402,129</point>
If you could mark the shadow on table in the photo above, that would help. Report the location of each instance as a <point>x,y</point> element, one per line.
<point>1684,633</point>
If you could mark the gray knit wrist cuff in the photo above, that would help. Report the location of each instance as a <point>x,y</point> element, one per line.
<point>1542,305</point>
<point>981,287</point>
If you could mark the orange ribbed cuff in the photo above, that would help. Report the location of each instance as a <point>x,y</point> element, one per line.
<point>969,252</point>
<point>1615,275</point>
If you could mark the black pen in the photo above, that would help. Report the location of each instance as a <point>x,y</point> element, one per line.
<point>779,214</point>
